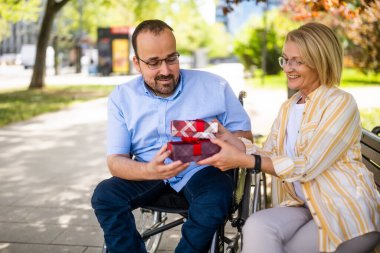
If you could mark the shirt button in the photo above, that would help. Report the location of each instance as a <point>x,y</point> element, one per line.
<point>314,214</point>
<point>304,175</point>
<point>307,199</point>
<point>320,228</point>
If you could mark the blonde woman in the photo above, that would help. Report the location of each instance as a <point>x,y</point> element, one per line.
<point>324,198</point>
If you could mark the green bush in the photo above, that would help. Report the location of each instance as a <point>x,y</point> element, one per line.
<point>370,118</point>
<point>250,49</point>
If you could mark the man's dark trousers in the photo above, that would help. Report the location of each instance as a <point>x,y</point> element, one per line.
<point>209,193</point>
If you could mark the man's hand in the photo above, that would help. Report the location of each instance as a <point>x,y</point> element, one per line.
<point>157,169</point>
<point>121,165</point>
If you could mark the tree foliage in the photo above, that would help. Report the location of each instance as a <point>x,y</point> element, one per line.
<point>83,17</point>
<point>250,50</point>
<point>88,15</point>
<point>218,42</point>
<point>305,9</point>
<point>190,28</point>
<point>364,33</point>
<point>248,46</point>
<point>357,22</point>
<point>79,24</point>
<point>12,11</point>
<point>193,32</point>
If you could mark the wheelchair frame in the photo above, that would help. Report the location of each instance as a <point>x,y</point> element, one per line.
<point>154,219</point>
<point>250,195</point>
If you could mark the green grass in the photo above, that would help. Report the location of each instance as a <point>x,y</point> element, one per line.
<point>370,118</point>
<point>24,104</point>
<point>350,78</point>
<point>355,78</point>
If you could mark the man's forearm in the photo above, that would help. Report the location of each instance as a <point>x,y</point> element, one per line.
<point>124,167</point>
<point>237,142</point>
<point>246,134</point>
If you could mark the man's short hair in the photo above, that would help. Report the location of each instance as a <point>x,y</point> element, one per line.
<point>154,26</point>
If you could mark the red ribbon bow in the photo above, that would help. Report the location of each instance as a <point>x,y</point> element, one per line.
<point>197,144</point>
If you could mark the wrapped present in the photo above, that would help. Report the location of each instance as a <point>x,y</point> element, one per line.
<point>192,149</point>
<point>194,128</point>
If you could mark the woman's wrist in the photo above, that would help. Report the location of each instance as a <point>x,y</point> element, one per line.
<point>247,161</point>
<point>257,166</point>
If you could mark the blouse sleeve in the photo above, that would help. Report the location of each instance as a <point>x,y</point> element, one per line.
<point>334,134</point>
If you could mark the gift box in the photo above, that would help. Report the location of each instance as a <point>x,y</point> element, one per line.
<point>192,150</point>
<point>194,128</point>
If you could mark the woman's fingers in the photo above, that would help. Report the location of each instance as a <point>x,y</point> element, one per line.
<point>221,128</point>
<point>209,160</point>
<point>218,142</point>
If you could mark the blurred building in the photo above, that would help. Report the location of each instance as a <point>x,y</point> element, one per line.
<point>20,33</point>
<point>242,12</point>
<point>236,18</point>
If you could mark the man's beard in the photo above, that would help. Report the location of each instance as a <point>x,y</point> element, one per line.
<point>164,89</point>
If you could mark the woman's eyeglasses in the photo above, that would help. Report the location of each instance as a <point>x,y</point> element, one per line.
<point>156,63</point>
<point>293,63</point>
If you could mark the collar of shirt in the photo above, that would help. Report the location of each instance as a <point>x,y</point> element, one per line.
<point>319,90</point>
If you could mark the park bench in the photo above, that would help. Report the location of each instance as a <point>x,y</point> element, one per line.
<point>370,144</point>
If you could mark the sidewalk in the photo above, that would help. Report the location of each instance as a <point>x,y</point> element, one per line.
<point>51,164</point>
<point>49,167</point>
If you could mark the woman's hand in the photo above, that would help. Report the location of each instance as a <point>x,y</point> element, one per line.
<point>227,136</point>
<point>228,157</point>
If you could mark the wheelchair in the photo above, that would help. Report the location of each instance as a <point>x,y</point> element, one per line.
<point>249,196</point>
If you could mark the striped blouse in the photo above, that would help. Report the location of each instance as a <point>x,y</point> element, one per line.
<point>339,189</point>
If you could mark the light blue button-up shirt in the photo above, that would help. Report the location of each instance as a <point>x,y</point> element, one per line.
<point>139,121</point>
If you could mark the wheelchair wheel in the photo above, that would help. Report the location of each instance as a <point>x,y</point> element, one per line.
<point>148,220</point>
<point>255,200</point>
<point>104,249</point>
<point>257,196</point>
<point>248,201</point>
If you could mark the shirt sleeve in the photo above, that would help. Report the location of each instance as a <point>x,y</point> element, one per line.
<point>118,136</point>
<point>235,118</point>
<point>327,141</point>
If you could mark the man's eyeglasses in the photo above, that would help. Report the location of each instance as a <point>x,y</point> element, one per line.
<point>156,63</point>
<point>293,63</point>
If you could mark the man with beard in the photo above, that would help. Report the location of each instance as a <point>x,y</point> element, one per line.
<point>139,116</point>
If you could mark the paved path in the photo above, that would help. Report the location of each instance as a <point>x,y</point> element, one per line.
<point>51,164</point>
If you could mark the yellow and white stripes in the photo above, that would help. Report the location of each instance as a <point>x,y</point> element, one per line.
<point>339,189</point>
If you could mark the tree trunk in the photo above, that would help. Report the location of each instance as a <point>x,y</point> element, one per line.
<point>39,69</point>
<point>78,64</point>
<point>56,60</point>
